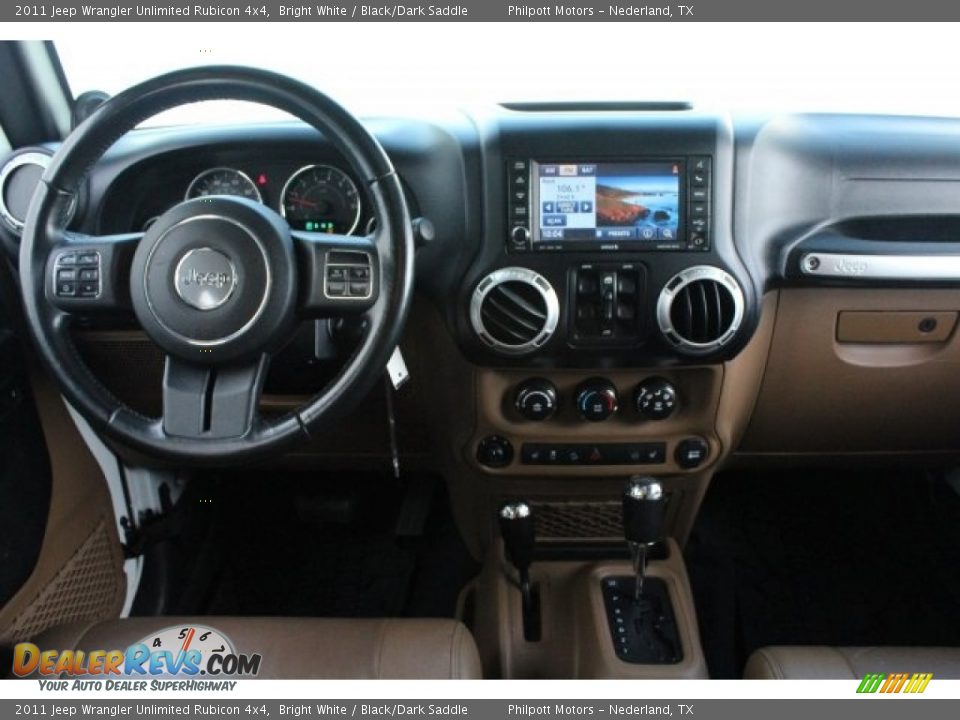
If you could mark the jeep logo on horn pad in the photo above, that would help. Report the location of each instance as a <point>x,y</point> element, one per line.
<point>205,278</point>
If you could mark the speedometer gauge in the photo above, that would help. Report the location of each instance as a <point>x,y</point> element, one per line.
<point>321,198</point>
<point>223,181</point>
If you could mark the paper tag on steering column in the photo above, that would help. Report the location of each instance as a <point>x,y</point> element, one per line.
<point>397,369</point>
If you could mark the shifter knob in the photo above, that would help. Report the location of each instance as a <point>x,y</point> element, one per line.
<point>517,529</point>
<point>644,510</point>
<point>519,537</point>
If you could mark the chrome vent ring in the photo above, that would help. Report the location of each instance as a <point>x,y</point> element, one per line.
<point>700,309</point>
<point>15,219</point>
<point>514,310</point>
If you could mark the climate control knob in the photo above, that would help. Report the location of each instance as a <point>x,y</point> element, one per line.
<point>655,398</point>
<point>536,399</point>
<point>597,399</point>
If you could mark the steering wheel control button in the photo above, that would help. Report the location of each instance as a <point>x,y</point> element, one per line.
<point>692,452</point>
<point>495,451</point>
<point>205,278</point>
<point>536,399</point>
<point>77,274</point>
<point>655,399</point>
<point>66,289</point>
<point>597,399</point>
<point>348,276</point>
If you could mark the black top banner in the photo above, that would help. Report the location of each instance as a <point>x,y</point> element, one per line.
<point>482,11</point>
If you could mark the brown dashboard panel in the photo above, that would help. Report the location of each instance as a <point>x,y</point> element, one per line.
<point>860,371</point>
<point>884,326</point>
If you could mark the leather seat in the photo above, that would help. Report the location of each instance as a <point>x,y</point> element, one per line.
<point>849,663</point>
<point>307,647</point>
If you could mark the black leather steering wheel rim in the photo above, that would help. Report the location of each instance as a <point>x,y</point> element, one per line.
<point>45,228</point>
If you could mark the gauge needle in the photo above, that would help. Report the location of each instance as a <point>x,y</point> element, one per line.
<point>188,640</point>
<point>186,645</point>
<point>303,203</point>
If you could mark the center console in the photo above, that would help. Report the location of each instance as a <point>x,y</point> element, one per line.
<point>602,320</point>
<point>607,295</point>
<point>536,612</point>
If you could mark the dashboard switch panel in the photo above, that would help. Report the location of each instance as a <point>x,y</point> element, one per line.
<point>606,303</point>
<point>518,189</point>
<point>654,453</point>
<point>700,179</point>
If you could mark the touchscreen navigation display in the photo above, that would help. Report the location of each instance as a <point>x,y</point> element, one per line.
<point>607,203</point>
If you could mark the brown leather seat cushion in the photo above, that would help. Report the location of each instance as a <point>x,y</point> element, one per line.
<point>849,663</point>
<point>308,647</point>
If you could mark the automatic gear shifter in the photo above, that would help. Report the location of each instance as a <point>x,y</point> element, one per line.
<point>644,510</point>
<point>639,611</point>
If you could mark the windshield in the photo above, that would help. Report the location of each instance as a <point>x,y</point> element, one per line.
<point>416,68</point>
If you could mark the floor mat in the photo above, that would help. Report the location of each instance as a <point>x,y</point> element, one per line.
<point>300,546</point>
<point>825,557</point>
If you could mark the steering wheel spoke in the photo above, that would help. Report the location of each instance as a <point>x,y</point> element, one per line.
<point>89,273</point>
<point>339,273</point>
<point>213,402</point>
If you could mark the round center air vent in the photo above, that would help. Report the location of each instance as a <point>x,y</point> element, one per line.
<point>700,309</point>
<point>514,310</point>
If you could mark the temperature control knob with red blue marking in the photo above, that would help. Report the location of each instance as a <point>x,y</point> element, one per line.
<point>596,399</point>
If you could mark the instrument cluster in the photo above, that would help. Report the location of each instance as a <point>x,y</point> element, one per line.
<point>316,197</point>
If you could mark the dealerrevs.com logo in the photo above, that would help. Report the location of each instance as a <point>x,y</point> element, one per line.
<point>174,652</point>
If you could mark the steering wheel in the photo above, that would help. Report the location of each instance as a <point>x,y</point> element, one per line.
<point>219,283</point>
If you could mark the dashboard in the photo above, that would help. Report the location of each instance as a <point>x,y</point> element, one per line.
<point>616,290</point>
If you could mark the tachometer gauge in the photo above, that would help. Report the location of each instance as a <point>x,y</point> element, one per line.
<point>321,198</point>
<point>223,181</point>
